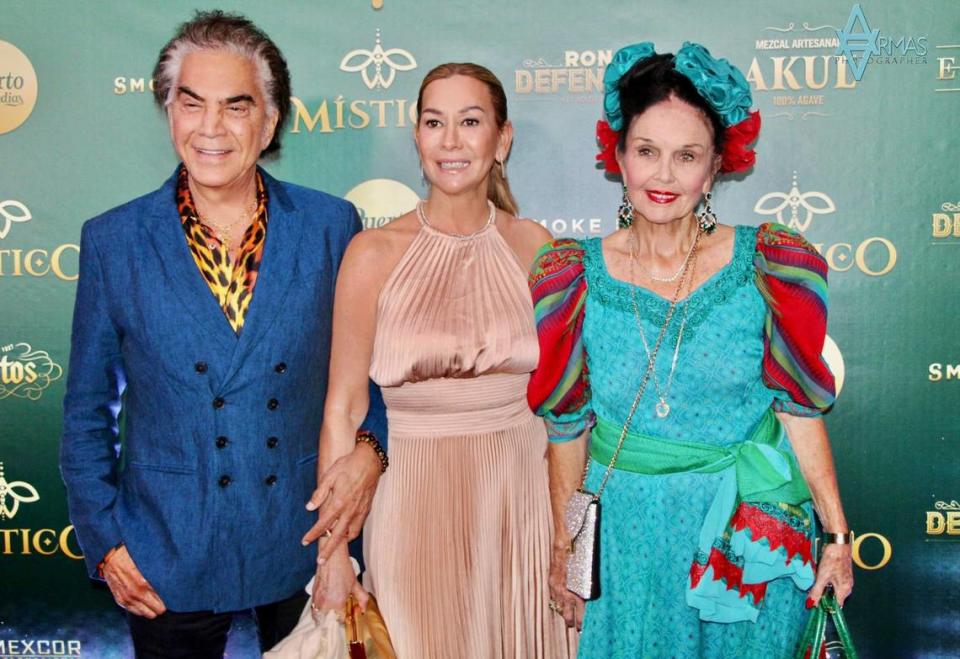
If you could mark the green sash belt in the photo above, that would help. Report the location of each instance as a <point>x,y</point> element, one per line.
<point>765,471</point>
<point>758,470</point>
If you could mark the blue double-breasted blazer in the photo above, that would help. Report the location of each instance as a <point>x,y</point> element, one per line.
<point>219,441</point>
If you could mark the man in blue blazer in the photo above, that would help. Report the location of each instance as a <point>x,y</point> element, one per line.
<point>203,314</point>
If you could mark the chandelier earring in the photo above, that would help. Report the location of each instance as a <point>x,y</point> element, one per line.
<point>625,212</point>
<point>706,217</point>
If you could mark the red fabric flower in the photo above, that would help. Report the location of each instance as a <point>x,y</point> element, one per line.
<point>607,138</point>
<point>737,154</point>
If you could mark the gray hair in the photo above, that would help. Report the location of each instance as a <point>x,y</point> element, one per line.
<point>217,30</point>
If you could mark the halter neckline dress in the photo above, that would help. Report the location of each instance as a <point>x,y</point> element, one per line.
<point>457,544</point>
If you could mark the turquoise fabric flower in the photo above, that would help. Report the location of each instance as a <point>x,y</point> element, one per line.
<point>622,62</point>
<point>720,83</point>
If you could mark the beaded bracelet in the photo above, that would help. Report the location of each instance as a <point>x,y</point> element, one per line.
<point>369,438</point>
<point>106,559</point>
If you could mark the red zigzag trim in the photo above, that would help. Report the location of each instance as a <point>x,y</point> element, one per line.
<point>731,574</point>
<point>761,525</point>
<point>777,532</point>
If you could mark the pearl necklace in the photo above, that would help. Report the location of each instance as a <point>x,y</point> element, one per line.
<point>671,278</point>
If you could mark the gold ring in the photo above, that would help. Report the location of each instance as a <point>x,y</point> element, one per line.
<point>328,533</point>
<point>555,606</point>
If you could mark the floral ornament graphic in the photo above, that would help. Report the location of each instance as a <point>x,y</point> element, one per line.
<point>28,374</point>
<point>18,492</point>
<point>385,64</point>
<point>812,203</point>
<point>12,211</point>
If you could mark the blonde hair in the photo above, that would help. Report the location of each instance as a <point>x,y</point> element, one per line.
<point>498,189</point>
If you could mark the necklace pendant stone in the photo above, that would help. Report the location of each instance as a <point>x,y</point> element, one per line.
<point>662,408</point>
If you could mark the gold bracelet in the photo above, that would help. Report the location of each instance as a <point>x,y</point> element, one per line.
<point>838,538</point>
<point>369,438</point>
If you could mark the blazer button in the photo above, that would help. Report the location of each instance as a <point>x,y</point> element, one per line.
<point>200,367</point>
<point>280,368</point>
<point>273,404</point>
<point>271,480</point>
<point>218,403</point>
<point>224,480</point>
<point>221,441</point>
<point>272,442</point>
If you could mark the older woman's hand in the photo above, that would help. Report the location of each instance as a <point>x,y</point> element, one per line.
<point>565,603</point>
<point>343,498</point>
<point>336,580</point>
<point>835,569</point>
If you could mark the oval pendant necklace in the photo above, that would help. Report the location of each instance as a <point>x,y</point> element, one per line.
<point>662,407</point>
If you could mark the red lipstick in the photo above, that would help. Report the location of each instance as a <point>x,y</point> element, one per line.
<point>661,197</point>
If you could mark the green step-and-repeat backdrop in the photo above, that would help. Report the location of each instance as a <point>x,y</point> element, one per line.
<point>860,150</point>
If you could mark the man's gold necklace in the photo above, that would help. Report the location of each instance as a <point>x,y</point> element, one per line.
<point>222,231</point>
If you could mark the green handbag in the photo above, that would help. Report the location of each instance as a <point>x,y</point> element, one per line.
<point>813,643</point>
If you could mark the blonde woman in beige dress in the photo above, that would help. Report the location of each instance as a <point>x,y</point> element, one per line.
<point>435,308</point>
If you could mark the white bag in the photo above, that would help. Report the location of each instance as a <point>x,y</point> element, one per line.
<point>323,638</point>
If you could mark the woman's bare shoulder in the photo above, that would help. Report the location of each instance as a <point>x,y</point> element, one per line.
<point>524,236</point>
<point>375,252</point>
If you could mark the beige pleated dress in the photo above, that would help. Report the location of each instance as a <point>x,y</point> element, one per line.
<point>457,544</point>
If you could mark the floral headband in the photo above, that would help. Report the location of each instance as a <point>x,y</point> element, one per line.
<point>720,83</point>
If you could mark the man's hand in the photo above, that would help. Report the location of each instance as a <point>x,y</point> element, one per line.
<point>129,588</point>
<point>343,499</point>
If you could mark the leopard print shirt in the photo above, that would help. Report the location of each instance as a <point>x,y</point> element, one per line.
<point>231,283</point>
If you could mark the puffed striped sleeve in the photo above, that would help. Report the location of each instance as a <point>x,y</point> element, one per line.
<point>792,277</point>
<point>559,389</point>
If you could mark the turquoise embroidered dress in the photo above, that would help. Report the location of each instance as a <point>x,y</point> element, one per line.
<point>706,521</point>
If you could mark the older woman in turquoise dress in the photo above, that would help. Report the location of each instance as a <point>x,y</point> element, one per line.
<point>689,353</point>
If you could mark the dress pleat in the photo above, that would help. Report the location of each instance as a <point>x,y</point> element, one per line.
<point>457,544</point>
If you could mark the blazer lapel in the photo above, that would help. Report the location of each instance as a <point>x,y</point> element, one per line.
<point>183,275</point>
<point>280,253</point>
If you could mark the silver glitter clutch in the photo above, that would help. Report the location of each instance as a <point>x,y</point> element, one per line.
<point>582,518</point>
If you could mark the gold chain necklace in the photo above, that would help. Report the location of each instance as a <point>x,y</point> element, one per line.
<point>491,218</point>
<point>222,231</point>
<point>643,383</point>
<point>662,407</point>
